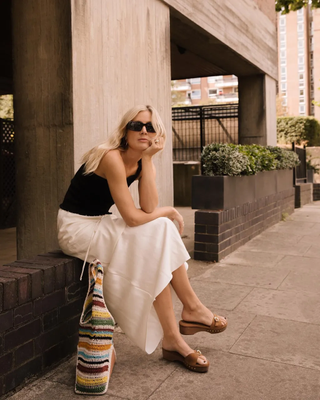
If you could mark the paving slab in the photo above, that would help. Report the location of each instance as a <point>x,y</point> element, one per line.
<point>245,275</point>
<point>289,304</point>
<point>234,377</point>
<point>296,262</point>
<point>220,295</point>
<point>302,280</point>
<point>254,258</point>
<point>278,237</point>
<point>310,238</point>
<point>279,340</point>
<point>314,251</point>
<point>276,247</point>
<point>301,227</point>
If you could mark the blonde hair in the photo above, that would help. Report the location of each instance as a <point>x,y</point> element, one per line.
<point>117,140</point>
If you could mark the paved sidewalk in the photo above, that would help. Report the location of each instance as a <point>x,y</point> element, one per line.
<point>270,291</point>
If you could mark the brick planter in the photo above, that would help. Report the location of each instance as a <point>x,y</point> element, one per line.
<point>40,304</point>
<point>233,210</point>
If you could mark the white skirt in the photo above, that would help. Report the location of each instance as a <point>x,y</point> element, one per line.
<point>138,264</point>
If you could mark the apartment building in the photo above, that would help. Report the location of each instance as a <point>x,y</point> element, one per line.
<point>211,89</point>
<point>299,61</point>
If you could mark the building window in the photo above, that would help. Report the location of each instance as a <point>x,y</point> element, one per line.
<point>301,77</point>
<point>301,99</point>
<point>301,84</point>
<point>282,20</point>
<point>284,77</point>
<point>301,92</point>
<point>300,43</point>
<point>300,35</point>
<point>300,27</point>
<point>284,101</point>
<point>283,61</point>
<point>283,54</point>
<point>196,94</point>
<point>282,29</point>
<point>301,68</point>
<point>195,81</point>
<point>300,60</point>
<point>282,38</point>
<point>213,92</point>
<point>300,19</point>
<point>283,45</point>
<point>302,109</point>
<point>283,70</point>
<point>300,12</point>
<point>283,87</point>
<point>301,51</point>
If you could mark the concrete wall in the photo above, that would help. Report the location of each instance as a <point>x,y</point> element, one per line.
<point>121,58</point>
<point>239,25</point>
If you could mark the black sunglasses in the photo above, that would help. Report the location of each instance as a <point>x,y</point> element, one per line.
<point>137,126</point>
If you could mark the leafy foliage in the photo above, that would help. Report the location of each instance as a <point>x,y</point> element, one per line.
<point>285,6</point>
<point>299,130</point>
<point>284,158</point>
<point>234,160</point>
<point>223,159</point>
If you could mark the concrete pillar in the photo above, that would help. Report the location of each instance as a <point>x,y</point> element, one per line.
<point>79,65</point>
<point>257,110</point>
<point>121,58</point>
<point>43,118</point>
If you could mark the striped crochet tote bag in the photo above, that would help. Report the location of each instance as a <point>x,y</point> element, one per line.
<point>95,347</point>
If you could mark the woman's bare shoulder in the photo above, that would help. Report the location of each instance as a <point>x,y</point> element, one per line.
<point>111,161</point>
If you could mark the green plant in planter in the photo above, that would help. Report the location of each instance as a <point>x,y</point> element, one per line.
<point>223,159</point>
<point>261,159</point>
<point>285,159</point>
<point>233,160</point>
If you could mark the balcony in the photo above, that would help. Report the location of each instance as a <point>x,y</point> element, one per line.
<point>181,86</point>
<point>226,82</point>
<point>226,98</point>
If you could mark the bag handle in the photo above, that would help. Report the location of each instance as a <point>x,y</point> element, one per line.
<point>92,236</point>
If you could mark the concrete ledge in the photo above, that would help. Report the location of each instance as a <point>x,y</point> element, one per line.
<point>316,191</point>
<point>40,305</point>
<point>220,232</point>
<point>303,194</point>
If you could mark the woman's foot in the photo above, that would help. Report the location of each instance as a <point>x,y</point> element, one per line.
<point>199,319</point>
<point>190,362</point>
<point>179,346</point>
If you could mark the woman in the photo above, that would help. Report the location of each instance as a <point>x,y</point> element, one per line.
<point>143,255</point>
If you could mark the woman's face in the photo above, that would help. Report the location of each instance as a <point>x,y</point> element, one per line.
<point>140,138</point>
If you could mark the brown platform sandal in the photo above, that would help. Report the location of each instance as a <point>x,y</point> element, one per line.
<point>189,362</point>
<point>190,328</point>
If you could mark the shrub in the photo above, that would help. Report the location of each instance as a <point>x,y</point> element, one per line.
<point>233,160</point>
<point>284,158</point>
<point>299,130</point>
<point>223,159</point>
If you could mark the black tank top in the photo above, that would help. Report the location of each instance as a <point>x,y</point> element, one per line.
<point>90,194</point>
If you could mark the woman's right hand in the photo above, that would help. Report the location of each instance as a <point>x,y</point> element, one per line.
<point>176,216</point>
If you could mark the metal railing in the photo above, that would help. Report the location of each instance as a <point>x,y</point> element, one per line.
<point>7,175</point>
<point>197,126</point>
<point>300,172</point>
